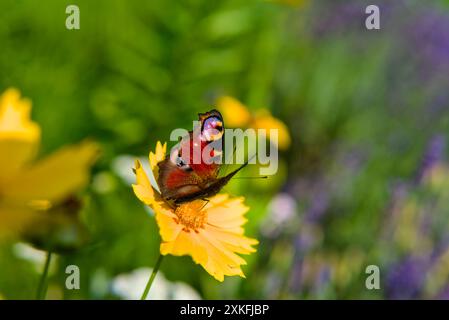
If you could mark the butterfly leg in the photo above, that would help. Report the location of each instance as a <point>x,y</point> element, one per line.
<point>172,204</point>
<point>206,202</point>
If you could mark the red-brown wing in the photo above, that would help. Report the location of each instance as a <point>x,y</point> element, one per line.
<point>201,164</point>
<point>175,182</point>
<point>206,169</point>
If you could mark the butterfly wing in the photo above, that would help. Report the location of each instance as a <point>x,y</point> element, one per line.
<point>175,182</point>
<point>188,175</point>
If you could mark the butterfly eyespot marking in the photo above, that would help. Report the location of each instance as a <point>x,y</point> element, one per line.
<point>180,163</point>
<point>217,153</point>
<point>212,128</point>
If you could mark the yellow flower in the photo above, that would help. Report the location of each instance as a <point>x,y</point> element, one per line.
<point>28,187</point>
<point>19,137</point>
<point>238,115</point>
<point>264,120</point>
<point>211,234</point>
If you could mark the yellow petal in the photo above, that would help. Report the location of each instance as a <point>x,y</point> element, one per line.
<point>168,228</point>
<point>15,220</point>
<point>218,264</point>
<point>214,246</point>
<point>186,243</point>
<point>227,213</point>
<point>19,136</point>
<point>143,189</point>
<point>264,120</point>
<point>176,241</point>
<point>15,154</point>
<point>157,157</point>
<point>15,119</point>
<point>229,257</point>
<point>56,177</point>
<point>233,239</point>
<point>235,114</point>
<point>222,207</point>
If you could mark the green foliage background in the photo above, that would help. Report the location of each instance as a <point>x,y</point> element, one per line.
<point>137,69</point>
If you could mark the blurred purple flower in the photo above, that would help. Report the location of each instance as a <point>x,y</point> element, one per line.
<point>322,280</point>
<point>313,193</point>
<point>273,284</point>
<point>429,38</point>
<point>296,273</point>
<point>339,17</point>
<point>433,155</point>
<point>305,240</point>
<point>443,294</point>
<point>405,279</point>
<point>319,205</point>
<point>438,104</point>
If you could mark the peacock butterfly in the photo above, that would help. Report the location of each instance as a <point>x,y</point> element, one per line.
<point>191,170</point>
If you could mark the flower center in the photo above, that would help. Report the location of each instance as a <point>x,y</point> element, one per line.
<point>191,215</point>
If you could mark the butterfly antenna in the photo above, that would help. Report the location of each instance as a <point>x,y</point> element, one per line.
<point>260,177</point>
<point>233,173</point>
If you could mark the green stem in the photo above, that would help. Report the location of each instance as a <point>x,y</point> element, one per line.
<point>42,288</point>
<point>153,275</point>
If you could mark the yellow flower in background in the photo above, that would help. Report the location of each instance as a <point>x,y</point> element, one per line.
<point>19,136</point>
<point>29,187</point>
<point>264,120</point>
<point>211,234</point>
<point>238,115</point>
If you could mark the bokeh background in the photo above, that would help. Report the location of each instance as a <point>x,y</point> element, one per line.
<point>365,180</point>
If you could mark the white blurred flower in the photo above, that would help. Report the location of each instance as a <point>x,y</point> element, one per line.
<point>183,291</point>
<point>35,256</point>
<point>130,286</point>
<point>122,166</point>
<point>281,210</point>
